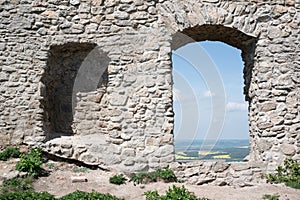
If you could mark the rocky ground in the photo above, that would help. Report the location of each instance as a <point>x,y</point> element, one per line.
<point>59,182</point>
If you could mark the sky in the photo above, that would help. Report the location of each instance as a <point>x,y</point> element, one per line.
<point>208,92</point>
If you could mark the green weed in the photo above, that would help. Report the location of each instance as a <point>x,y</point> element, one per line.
<point>31,163</point>
<point>288,174</point>
<point>9,153</point>
<point>167,175</point>
<point>50,165</point>
<point>117,179</point>
<point>80,170</point>
<point>17,185</point>
<point>79,195</point>
<point>271,197</point>
<point>174,193</point>
<point>27,195</point>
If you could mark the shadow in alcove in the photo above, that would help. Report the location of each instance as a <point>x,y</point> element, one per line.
<point>71,68</point>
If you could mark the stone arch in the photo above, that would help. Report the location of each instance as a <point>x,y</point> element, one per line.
<point>230,36</point>
<point>196,13</point>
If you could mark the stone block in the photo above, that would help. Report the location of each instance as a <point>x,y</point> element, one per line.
<point>89,158</point>
<point>9,175</point>
<point>128,152</point>
<point>247,172</point>
<point>97,2</point>
<point>267,133</point>
<point>118,100</point>
<point>189,172</point>
<point>121,15</point>
<point>220,166</point>
<point>265,107</point>
<point>265,125</point>
<point>74,2</point>
<point>164,151</point>
<point>277,120</point>
<point>274,32</point>
<point>288,149</point>
<point>2,46</point>
<point>152,141</point>
<point>126,136</point>
<point>128,162</point>
<point>111,160</point>
<point>167,159</point>
<point>240,166</point>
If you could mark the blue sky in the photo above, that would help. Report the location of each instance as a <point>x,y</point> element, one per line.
<point>219,69</point>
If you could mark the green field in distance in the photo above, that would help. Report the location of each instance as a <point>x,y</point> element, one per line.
<point>228,150</point>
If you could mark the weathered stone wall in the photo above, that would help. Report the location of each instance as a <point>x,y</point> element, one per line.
<point>127,122</point>
<point>220,173</point>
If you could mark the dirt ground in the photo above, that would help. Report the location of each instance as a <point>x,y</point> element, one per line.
<point>59,183</point>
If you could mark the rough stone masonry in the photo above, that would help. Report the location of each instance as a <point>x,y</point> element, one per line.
<point>126,122</point>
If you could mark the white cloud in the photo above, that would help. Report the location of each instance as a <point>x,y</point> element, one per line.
<point>176,91</point>
<point>208,93</point>
<point>236,106</point>
<point>185,97</point>
<point>177,95</point>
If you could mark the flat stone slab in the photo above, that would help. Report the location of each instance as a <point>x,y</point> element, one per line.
<point>89,149</point>
<point>79,140</point>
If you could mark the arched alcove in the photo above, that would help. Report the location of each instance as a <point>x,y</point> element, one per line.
<point>230,36</point>
<point>63,64</point>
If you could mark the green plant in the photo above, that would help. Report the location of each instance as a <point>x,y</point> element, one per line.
<point>271,197</point>
<point>137,177</point>
<point>166,174</point>
<point>79,195</point>
<point>9,153</point>
<point>293,184</point>
<point>152,195</point>
<point>143,177</point>
<point>31,163</point>
<point>17,185</point>
<point>80,170</point>
<point>27,195</point>
<point>117,179</point>
<point>50,165</point>
<point>174,193</point>
<point>288,174</point>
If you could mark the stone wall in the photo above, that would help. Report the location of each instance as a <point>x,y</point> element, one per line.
<point>127,121</point>
<point>220,173</point>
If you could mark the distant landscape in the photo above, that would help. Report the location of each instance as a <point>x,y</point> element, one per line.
<point>228,150</point>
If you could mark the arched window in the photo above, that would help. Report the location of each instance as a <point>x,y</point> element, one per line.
<point>211,114</point>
